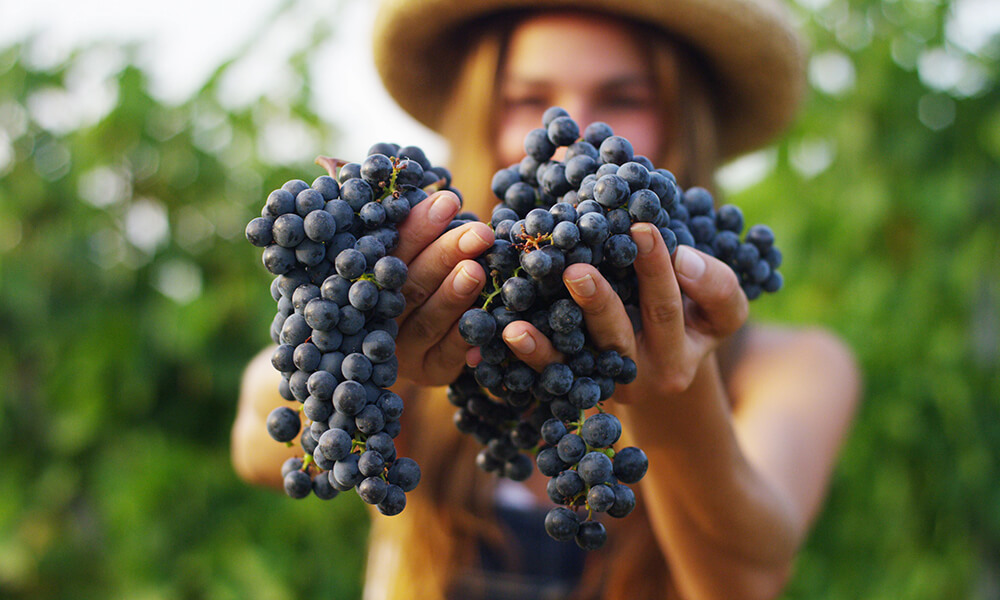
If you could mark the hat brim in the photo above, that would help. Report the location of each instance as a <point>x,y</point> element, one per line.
<point>755,54</point>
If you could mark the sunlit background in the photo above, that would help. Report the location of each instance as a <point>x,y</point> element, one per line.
<point>137,139</point>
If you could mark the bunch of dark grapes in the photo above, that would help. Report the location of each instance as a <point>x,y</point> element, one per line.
<point>338,293</point>
<point>552,214</point>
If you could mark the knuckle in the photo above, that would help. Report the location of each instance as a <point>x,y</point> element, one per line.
<point>742,312</point>
<point>448,255</point>
<point>619,342</point>
<point>443,361</point>
<point>733,303</point>
<point>728,286</point>
<point>447,246</point>
<point>676,381</point>
<point>452,349</point>
<point>419,327</point>
<point>623,347</point>
<point>612,338</point>
<point>412,241</point>
<point>415,294</point>
<point>659,312</point>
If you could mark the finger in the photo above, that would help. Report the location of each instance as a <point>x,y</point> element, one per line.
<point>607,321</point>
<point>429,269</point>
<point>427,324</point>
<point>661,305</point>
<point>719,306</point>
<point>444,360</point>
<point>530,345</point>
<point>425,223</point>
<point>473,357</point>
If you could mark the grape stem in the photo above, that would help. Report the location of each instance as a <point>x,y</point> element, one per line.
<point>489,298</point>
<point>390,190</point>
<point>332,165</point>
<point>437,186</point>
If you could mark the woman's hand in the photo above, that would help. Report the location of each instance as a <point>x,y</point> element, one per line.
<point>443,282</point>
<point>677,333</point>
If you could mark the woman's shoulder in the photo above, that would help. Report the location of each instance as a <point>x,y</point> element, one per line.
<point>769,339</point>
<point>808,357</point>
<point>259,386</point>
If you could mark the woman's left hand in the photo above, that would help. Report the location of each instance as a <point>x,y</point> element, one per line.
<point>678,331</point>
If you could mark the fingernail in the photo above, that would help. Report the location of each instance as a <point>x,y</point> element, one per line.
<point>524,343</point>
<point>443,208</point>
<point>465,283</point>
<point>583,286</point>
<point>643,238</point>
<point>471,242</point>
<point>689,263</point>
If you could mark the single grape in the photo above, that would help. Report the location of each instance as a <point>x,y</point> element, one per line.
<point>404,472</point>
<point>394,501</point>
<point>600,498</point>
<point>562,524</point>
<point>349,397</point>
<point>630,464</point>
<point>595,468</point>
<point>616,150</point>
<point>538,145</point>
<point>258,231</point>
<point>307,201</point>
<point>283,424</point>
<point>571,448</point>
<point>591,535</point>
<point>297,484</point>
<point>373,490</point>
<point>624,501</point>
<point>334,443</point>
<point>601,430</point>
<point>477,327</point>
<point>549,463</point>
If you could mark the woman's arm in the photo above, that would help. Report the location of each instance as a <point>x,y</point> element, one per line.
<point>730,493</point>
<point>256,456</point>
<point>731,496</point>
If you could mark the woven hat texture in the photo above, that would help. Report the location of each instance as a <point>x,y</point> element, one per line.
<point>755,53</point>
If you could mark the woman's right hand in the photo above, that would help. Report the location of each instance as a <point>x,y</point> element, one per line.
<point>443,283</point>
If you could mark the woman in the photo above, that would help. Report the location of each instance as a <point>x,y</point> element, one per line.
<point>741,423</point>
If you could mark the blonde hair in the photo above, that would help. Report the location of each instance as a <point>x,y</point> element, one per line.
<point>420,552</point>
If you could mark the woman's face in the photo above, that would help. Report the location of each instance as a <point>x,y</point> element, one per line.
<point>587,64</point>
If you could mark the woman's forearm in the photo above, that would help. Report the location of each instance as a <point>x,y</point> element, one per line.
<point>255,455</point>
<point>725,531</point>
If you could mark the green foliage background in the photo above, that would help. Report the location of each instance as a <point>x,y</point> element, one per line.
<point>120,356</point>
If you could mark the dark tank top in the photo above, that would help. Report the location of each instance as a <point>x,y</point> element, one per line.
<point>532,566</point>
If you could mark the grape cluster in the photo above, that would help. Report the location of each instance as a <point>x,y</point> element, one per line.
<point>552,214</point>
<point>337,291</point>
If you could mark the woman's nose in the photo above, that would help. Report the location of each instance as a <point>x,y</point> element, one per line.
<point>579,108</point>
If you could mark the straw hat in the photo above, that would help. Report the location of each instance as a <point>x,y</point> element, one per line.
<point>751,45</point>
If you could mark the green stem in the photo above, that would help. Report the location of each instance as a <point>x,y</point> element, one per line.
<point>489,298</point>
<point>391,188</point>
